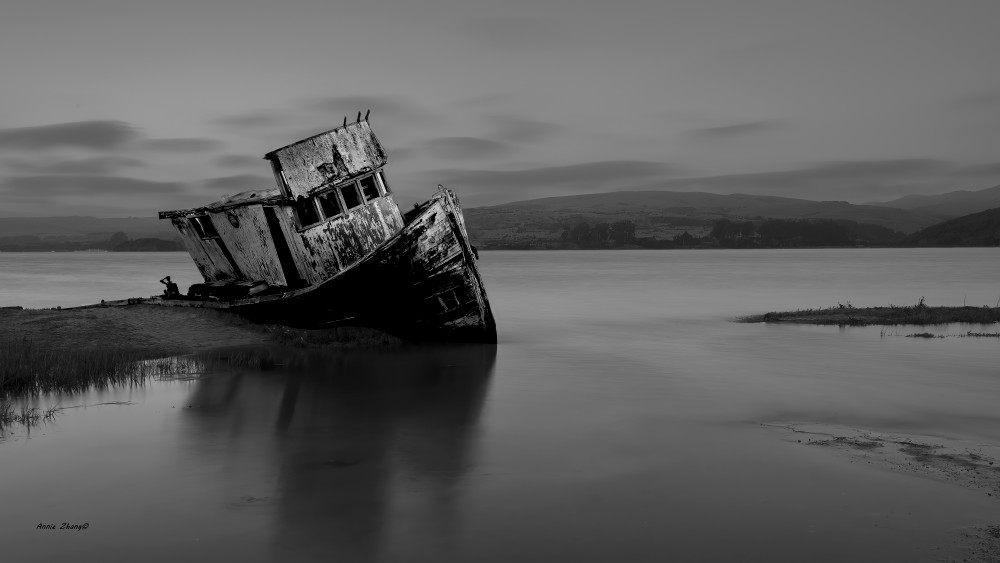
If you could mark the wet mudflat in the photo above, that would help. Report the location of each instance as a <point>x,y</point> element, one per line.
<point>623,416</point>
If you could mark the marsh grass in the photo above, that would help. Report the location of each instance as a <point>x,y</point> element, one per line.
<point>28,368</point>
<point>11,413</point>
<point>80,351</point>
<point>968,334</point>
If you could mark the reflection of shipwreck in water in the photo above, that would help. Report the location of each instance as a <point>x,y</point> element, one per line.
<point>354,452</point>
<point>330,246</point>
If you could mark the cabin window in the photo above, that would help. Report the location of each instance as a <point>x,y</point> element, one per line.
<point>382,182</point>
<point>204,227</point>
<point>369,188</point>
<point>305,208</point>
<point>351,196</point>
<point>330,205</point>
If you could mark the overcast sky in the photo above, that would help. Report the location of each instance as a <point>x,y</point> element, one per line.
<point>126,107</point>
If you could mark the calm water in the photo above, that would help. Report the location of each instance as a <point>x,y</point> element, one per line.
<point>618,419</point>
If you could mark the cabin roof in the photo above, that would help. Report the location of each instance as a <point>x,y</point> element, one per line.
<point>345,126</point>
<point>332,157</point>
<point>355,140</point>
<point>250,197</point>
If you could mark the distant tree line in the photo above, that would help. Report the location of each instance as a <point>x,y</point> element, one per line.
<point>792,233</point>
<point>617,234</point>
<point>727,233</point>
<point>600,235</point>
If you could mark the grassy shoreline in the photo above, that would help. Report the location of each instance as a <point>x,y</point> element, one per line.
<point>847,315</point>
<point>75,349</point>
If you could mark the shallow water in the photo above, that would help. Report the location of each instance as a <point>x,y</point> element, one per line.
<point>619,418</point>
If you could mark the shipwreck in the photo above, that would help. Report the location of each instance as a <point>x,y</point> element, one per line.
<point>329,246</point>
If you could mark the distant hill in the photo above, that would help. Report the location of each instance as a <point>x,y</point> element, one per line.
<point>69,234</point>
<point>85,227</point>
<point>665,215</point>
<point>957,203</point>
<point>977,229</point>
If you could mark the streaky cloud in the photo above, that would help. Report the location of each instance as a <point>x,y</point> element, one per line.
<point>99,165</point>
<point>857,181</point>
<point>839,180</point>
<point>182,145</point>
<point>95,135</point>
<point>253,119</point>
<point>400,154</point>
<point>589,172</point>
<point>240,182</point>
<point>466,147</point>
<point>238,161</point>
<point>509,185</point>
<point>513,129</point>
<point>737,130</point>
<point>88,185</point>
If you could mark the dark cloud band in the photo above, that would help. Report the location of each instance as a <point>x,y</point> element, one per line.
<point>82,134</point>
<point>240,182</point>
<point>101,165</point>
<point>239,161</point>
<point>737,130</point>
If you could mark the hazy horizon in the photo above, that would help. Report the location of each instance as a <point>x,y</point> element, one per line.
<point>126,108</point>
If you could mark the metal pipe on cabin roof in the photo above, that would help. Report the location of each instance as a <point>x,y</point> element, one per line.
<point>345,121</point>
<point>359,117</point>
<point>366,114</point>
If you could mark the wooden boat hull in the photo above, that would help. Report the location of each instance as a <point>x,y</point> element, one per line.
<point>422,284</point>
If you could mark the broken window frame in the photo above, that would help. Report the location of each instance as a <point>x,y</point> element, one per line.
<point>357,193</point>
<point>382,184</point>
<point>374,184</point>
<point>334,196</point>
<point>306,201</point>
<point>198,223</point>
<point>321,212</point>
<point>279,176</point>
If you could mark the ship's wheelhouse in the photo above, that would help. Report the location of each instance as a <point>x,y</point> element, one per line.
<point>332,207</point>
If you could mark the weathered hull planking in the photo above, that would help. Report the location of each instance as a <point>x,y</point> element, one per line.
<point>422,284</point>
